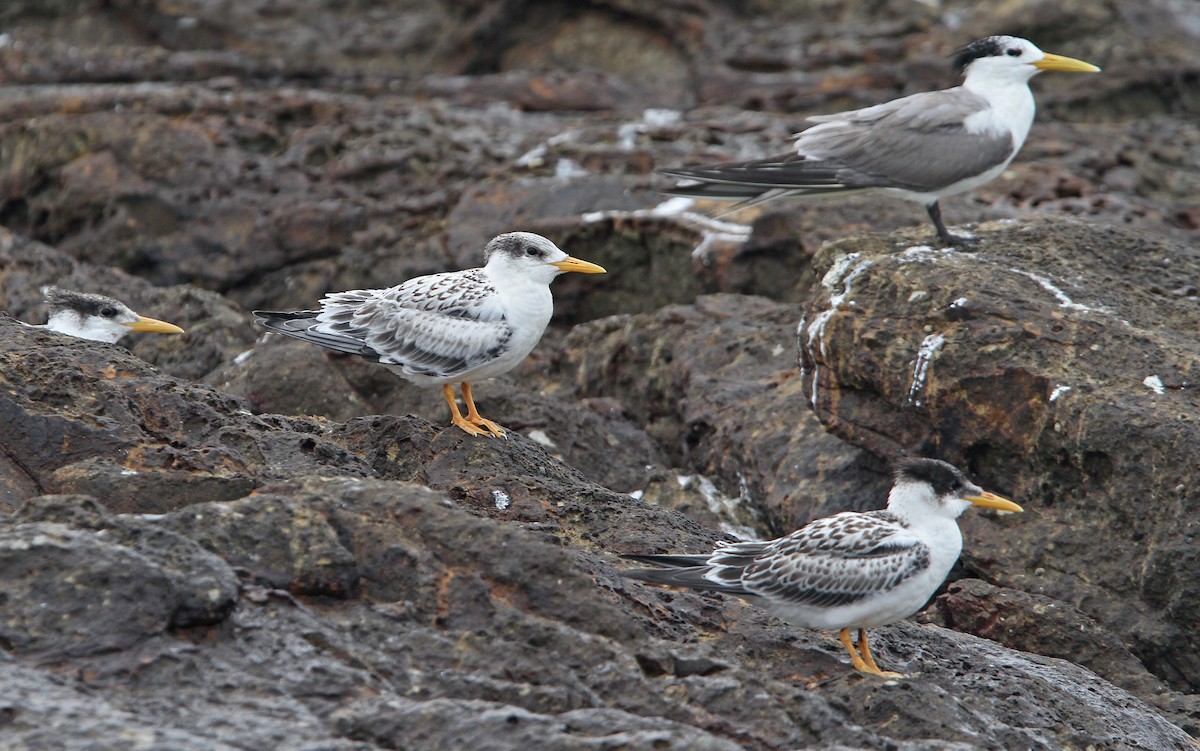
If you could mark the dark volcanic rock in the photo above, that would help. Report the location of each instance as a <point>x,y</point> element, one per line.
<point>1057,366</point>
<point>205,586</point>
<point>1039,624</point>
<point>291,377</point>
<point>715,387</point>
<point>505,599</point>
<point>187,566</point>
<point>69,594</point>
<point>79,581</point>
<point>480,613</point>
<point>450,724</point>
<point>90,417</point>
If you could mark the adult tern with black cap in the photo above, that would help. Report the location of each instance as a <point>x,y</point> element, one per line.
<point>921,147</point>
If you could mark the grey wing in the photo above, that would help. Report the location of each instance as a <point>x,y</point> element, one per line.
<point>461,294</point>
<point>837,561</point>
<point>443,337</point>
<point>303,325</point>
<point>422,342</point>
<point>917,143</point>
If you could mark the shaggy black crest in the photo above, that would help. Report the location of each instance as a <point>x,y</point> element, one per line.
<point>987,47</point>
<point>84,303</point>
<point>945,478</point>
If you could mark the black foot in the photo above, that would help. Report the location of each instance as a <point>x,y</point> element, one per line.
<point>958,241</point>
<point>943,234</point>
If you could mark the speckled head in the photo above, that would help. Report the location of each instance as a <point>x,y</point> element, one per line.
<point>82,303</point>
<point>533,257</point>
<point>517,245</point>
<point>924,485</point>
<point>97,317</point>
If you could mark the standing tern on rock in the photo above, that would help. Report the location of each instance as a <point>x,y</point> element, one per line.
<point>853,570</point>
<point>460,326</point>
<point>97,317</point>
<point>920,147</point>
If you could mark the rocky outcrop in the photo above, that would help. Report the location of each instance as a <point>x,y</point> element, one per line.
<point>224,540</point>
<point>388,571</point>
<point>1058,363</point>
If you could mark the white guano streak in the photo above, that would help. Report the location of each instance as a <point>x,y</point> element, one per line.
<point>929,348</point>
<point>711,230</point>
<point>1050,287</point>
<point>844,271</point>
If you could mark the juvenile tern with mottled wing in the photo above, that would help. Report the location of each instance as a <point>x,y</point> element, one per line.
<point>920,147</point>
<point>853,570</point>
<point>460,326</point>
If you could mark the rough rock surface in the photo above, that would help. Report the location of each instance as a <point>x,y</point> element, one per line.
<point>1070,377</point>
<point>223,540</point>
<point>366,605</point>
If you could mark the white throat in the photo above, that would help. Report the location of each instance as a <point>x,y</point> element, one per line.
<point>1011,109</point>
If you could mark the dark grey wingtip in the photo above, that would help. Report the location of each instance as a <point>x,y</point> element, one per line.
<point>668,560</point>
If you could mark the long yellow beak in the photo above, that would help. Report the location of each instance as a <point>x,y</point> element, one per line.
<point>154,326</point>
<point>1058,62</point>
<point>570,263</point>
<point>991,500</point>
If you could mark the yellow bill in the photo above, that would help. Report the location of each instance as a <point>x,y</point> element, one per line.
<point>991,500</point>
<point>1058,62</point>
<point>571,263</point>
<point>154,326</point>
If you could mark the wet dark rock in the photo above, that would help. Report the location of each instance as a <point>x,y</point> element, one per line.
<point>205,586</point>
<point>281,544</point>
<point>490,580</point>
<point>479,613</point>
<point>68,593</point>
<point>449,724</point>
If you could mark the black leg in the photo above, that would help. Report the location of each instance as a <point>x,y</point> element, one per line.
<point>935,213</point>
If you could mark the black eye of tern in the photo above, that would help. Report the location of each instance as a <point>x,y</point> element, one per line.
<point>108,311</point>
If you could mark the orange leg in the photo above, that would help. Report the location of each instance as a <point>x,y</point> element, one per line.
<point>865,649</point>
<point>456,417</point>
<point>848,643</point>
<point>475,418</point>
<point>860,664</point>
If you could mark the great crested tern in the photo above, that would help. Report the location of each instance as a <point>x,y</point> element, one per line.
<point>97,317</point>
<point>460,326</point>
<point>920,147</point>
<point>853,570</point>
